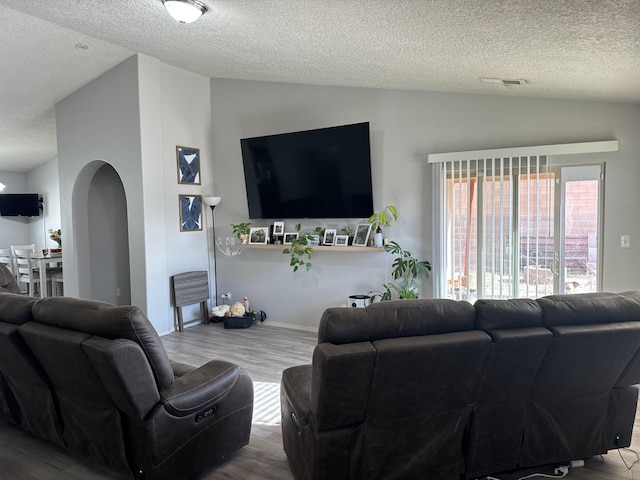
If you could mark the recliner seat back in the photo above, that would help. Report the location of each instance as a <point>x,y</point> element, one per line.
<point>26,395</point>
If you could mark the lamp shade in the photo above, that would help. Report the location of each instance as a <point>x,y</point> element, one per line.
<point>185,11</point>
<point>211,201</point>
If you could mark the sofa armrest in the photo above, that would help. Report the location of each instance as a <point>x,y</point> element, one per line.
<point>200,388</point>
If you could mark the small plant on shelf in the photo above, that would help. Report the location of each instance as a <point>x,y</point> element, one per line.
<point>242,230</point>
<point>406,269</point>
<point>301,250</point>
<point>384,217</point>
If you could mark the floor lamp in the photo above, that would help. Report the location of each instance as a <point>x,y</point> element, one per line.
<point>212,202</point>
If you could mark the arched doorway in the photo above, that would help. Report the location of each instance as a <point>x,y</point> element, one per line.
<point>101,235</point>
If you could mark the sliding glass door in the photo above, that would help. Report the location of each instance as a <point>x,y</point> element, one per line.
<point>517,228</point>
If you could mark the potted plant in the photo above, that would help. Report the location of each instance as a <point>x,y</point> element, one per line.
<point>406,269</point>
<point>242,230</point>
<point>301,248</point>
<point>383,217</point>
<point>349,230</point>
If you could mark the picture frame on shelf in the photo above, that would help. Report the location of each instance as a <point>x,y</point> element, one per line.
<point>315,240</point>
<point>258,235</point>
<point>278,228</point>
<point>188,160</point>
<point>341,240</point>
<point>361,236</point>
<point>289,237</point>
<point>329,236</point>
<point>190,212</point>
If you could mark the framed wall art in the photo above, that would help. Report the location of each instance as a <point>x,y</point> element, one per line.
<point>289,237</point>
<point>190,212</point>
<point>341,240</point>
<point>329,236</point>
<point>259,235</point>
<point>188,165</point>
<point>362,235</point>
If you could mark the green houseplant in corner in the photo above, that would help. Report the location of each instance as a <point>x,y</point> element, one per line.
<point>405,270</point>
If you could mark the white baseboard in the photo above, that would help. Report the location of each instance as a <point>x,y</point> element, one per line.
<point>291,326</point>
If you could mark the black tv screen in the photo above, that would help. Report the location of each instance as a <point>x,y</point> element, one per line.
<point>323,173</point>
<point>19,205</point>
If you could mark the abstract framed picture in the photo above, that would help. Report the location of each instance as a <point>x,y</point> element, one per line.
<point>188,165</point>
<point>190,212</point>
<point>362,235</point>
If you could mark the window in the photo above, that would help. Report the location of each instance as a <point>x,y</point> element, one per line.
<point>514,226</point>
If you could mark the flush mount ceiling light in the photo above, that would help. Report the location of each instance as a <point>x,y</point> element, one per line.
<point>503,81</point>
<point>185,11</point>
<point>2,186</point>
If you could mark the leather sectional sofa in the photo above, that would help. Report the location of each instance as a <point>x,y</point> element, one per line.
<point>442,389</point>
<point>95,379</point>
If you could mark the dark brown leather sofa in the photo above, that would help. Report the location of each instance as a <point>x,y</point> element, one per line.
<point>441,389</point>
<point>96,380</point>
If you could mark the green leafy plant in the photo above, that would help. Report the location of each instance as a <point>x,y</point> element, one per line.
<point>384,217</point>
<point>241,229</point>
<point>300,250</point>
<point>349,230</point>
<point>405,269</point>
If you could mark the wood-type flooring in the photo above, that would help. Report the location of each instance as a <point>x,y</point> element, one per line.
<point>263,351</point>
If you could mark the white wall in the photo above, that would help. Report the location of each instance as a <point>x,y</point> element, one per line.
<point>405,128</point>
<point>186,121</point>
<point>44,180</point>
<point>132,117</point>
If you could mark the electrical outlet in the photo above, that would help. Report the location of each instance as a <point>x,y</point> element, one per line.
<point>625,241</point>
<point>117,292</point>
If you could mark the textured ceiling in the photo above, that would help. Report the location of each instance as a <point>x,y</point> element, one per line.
<point>572,49</point>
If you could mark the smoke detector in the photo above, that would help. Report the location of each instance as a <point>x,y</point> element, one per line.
<point>503,81</point>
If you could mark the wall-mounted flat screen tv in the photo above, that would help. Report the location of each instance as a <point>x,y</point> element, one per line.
<point>19,205</point>
<point>323,173</point>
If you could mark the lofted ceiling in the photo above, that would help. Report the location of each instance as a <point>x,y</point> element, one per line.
<point>569,49</point>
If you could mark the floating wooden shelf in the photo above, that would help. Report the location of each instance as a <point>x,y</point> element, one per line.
<point>317,248</point>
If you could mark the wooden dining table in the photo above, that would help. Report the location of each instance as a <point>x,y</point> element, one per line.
<point>43,262</point>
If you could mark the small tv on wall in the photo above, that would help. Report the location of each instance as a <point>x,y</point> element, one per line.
<point>322,173</point>
<point>19,204</point>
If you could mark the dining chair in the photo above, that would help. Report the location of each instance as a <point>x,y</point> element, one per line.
<point>31,247</point>
<point>6,259</point>
<point>27,271</point>
<point>57,284</point>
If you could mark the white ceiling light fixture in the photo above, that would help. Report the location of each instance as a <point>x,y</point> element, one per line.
<point>185,11</point>
<point>2,186</point>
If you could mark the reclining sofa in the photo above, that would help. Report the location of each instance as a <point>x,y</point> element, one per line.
<point>442,389</point>
<point>95,379</point>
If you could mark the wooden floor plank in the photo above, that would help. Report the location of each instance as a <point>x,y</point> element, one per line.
<point>264,351</point>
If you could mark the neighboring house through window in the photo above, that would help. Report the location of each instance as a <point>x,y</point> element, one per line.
<point>511,223</point>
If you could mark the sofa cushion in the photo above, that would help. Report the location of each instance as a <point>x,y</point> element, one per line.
<point>590,308</point>
<point>395,319</point>
<point>516,313</point>
<point>106,321</point>
<point>15,309</point>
